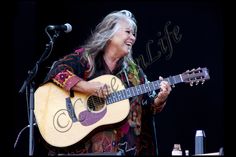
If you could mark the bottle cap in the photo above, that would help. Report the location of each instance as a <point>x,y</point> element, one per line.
<point>177,147</point>
<point>187,152</point>
<point>200,133</point>
<point>176,150</point>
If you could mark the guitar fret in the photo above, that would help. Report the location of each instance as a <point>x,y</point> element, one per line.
<point>169,81</point>
<point>128,93</point>
<point>115,96</point>
<point>119,95</point>
<point>134,91</point>
<point>178,78</point>
<point>146,86</point>
<point>109,99</point>
<point>112,97</point>
<point>137,90</point>
<point>141,91</point>
<point>140,87</point>
<point>157,85</point>
<point>152,86</point>
<point>123,93</point>
<point>143,88</point>
<point>131,91</point>
<point>149,87</point>
<point>173,79</point>
<point>112,100</point>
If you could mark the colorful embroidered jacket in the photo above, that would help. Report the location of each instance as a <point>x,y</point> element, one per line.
<point>133,136</point>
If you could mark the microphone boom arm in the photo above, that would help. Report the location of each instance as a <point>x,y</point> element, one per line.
<point>48,49</point>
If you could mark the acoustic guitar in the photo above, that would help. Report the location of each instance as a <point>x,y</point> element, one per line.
<point>64,119</point>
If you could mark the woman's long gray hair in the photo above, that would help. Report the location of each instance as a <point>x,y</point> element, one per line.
<point>105,31</point>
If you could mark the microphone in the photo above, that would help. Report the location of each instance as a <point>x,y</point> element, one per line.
<point>66,27</point>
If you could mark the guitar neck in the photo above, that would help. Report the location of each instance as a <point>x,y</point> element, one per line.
<point>141,89</point>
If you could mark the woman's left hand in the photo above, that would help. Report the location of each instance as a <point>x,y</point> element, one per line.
<point>161,98</point>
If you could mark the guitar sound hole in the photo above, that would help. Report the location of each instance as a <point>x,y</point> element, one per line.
<point>95,103</point>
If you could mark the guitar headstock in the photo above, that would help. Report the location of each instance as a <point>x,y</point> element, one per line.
<point>196,76</point>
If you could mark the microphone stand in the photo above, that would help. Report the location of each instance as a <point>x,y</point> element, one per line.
<point>155,134</point>
<point>28,85</point>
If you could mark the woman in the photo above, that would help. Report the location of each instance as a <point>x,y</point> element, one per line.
<point>109,51</point>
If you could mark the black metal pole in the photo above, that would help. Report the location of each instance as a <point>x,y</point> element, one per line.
<point>31,121</point>
<point>155,134</point>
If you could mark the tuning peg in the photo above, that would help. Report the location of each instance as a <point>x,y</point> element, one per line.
<point>173,86</point>
<point>187,72</point>
<point>203,81</point>
<point>196,83</point>
<point>191,84</point>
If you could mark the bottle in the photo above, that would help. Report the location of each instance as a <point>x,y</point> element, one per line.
<point>186,152</point>
<point>199,142</point>
<point>176,150</point>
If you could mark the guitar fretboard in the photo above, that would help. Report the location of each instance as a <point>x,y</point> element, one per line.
<point>141,89</point>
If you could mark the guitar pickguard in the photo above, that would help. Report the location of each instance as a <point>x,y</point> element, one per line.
<point>87,118</point>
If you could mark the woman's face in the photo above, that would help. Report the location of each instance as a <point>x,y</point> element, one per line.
<point>123,39</point>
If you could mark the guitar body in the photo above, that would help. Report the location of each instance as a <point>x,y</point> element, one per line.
<point>54,119</point>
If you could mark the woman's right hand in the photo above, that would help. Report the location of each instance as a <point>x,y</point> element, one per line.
<point>93,88</point>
